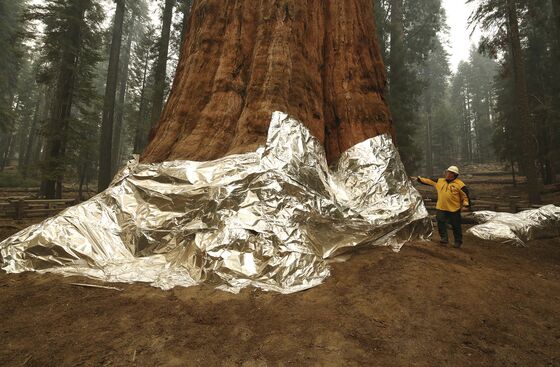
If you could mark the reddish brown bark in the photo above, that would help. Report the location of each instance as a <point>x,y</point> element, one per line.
<point>314,59</point>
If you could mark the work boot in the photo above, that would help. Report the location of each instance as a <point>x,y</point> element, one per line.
<point>443,242</point>
<point>458,244</point>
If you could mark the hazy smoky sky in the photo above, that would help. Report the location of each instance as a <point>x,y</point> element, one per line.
<point>460,40</point>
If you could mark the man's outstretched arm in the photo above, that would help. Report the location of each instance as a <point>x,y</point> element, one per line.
<point>426,181</point>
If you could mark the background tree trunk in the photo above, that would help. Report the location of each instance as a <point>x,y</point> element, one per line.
<point>140,133</point>
<point>186,6</point>
<point>161,63</point>
<point>397,52</point>
<point>317,60</point>
<point>556,17</point>
<point>25,154</point>
<point>429,153</point>
<point>57,129</point>
<point>6,142</point>
<point>119,111</point>
<point>529,149</point>
<point>106,144</point>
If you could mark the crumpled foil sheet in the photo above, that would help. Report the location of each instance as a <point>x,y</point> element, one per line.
<point>269,218</point>
<point>517,229</point>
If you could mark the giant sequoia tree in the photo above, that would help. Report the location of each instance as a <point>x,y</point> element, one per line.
<point>317,60</point>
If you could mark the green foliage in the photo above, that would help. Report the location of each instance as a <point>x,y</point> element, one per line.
<point>139,90</point>
<point>541,51</point>
<point>444,135</point>
<point>506,126</point>
<point>12,30</point>
<point>467,117</point>
<point>542,59</point>
<point>424,23</point>
<point>61,18</point>
<point>382,21</point>
<point>436,134</point>
<point>473,96</point>
<point>409,39</point>
<point>70,52</point>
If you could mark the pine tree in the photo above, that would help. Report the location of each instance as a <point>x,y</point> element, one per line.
<point>185,6</point>
<point>473,95</point>
<point>504,15</point>
<point>410,31</point>
<point>461,100</point>
<point>26,115</point>
<point>106,142</point>
<point>70,52</point>
<point>382,21</point>
<point>402,87</point>
<point>161,62</point>
<point>482,72</point>
<point>556,19</point>
<point>542,62</point>
<point>507,134</point>
<point>142,89</point>
<point>12,29</point>
<point>121,96</point>
<point>434,75</point>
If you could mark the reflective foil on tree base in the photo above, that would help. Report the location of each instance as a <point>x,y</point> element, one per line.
<point>517,229</point>
<point>268,219</point>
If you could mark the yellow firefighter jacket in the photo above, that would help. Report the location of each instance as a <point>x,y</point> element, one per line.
<point>452,195</point>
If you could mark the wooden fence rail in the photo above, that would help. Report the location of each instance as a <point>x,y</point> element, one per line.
<point>20,209</point>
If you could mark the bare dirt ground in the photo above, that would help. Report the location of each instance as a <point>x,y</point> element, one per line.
<point>484,305</point>
<point>487,304</point>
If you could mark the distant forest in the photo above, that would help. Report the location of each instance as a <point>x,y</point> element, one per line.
<point>83,81</point>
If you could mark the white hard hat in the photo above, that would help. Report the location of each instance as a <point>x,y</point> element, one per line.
<point>454,169</point>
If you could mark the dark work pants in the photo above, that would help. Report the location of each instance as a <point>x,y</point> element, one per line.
<point>454,218</point>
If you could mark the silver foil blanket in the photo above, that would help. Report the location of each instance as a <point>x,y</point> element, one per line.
<point>269,218</point>
<point>517,229</point>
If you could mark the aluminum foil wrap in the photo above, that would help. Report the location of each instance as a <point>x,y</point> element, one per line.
<point>517,229</point>
<point>269,218</point>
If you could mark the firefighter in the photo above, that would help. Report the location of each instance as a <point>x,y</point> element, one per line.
<point>453,197</point>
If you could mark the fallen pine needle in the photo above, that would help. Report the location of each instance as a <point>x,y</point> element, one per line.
<point>27,360</point>
<point>96,286</point>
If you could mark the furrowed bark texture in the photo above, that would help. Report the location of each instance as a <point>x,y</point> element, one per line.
<point>314,59</point>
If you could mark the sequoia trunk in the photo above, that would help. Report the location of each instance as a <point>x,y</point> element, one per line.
<point>316,60</point>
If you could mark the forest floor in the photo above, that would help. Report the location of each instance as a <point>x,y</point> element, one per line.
<point>487,304</point>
